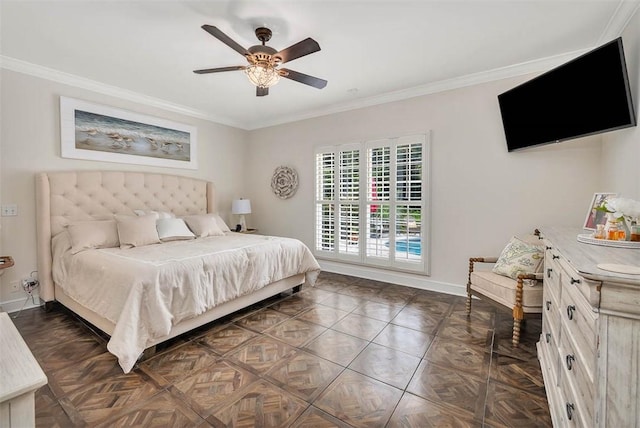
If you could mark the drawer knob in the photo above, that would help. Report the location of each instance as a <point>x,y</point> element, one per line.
<point>570,408</point>
<point>575,281</point>
<point>549,270</point>
<point>554,257</point>
<point>570,310</point>
<point>548,304</point>
<point>547,337</point>
<point>549,248</point>
<point>570,359</point>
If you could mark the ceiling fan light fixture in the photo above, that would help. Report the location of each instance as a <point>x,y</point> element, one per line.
<point>262,74</point>
<point>264,60</point>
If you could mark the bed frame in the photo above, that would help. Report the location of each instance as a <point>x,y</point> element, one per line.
<point>63,197</point>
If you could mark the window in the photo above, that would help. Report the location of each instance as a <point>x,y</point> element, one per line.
<point>371,201</point>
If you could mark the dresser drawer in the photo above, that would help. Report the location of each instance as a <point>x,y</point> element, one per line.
<point>590,290</point>
<point>573,411</point>
<point>579,324</point>
<point>551,311</point>
<point>551,382</point>
<point>575,373</point>
<point>552,272</point>
<point>549,345</point>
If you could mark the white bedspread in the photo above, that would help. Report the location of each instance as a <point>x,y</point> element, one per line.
<point>146,290</point>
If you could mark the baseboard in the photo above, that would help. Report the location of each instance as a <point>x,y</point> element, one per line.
<point>394,277</point>
<point>17,304</point>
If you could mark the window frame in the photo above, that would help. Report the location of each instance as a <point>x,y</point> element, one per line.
<point>364,203</point>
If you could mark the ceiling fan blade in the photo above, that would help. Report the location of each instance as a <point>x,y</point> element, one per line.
<point>300,49</point>
<point>219,69</point>
<point>215,32</point>
<point>303,78</point>
<point>261,92</point>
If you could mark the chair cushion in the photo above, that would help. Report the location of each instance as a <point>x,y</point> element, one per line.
<point>519,257</point>
<point>503,290</point>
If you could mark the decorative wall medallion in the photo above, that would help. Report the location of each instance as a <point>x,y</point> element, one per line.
<point>284,182</point>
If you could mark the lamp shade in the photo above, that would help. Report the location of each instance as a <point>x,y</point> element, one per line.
<point>241,206</point>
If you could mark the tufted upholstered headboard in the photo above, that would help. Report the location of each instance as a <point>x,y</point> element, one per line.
<point>62,197</point>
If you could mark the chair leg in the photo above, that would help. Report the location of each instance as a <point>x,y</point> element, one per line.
<point>471,262</point>
<point>515,340</point>
<point>518,313</point>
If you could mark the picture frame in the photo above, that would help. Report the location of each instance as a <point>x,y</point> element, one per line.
<point>101,133</point>
<point>595,216</point>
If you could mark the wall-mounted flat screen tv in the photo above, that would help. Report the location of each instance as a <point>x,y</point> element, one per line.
<point>587,95</point>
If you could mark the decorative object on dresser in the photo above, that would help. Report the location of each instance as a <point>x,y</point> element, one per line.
<point>284,182</point>
<point>621,228</point>
<point>97,132</point>
<point>514,282</point>
<point>241,207</point>
<point>596,215</point>
<point>589,347</point>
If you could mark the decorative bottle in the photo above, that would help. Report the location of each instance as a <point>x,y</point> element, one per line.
<point>599,233</point>
<point>635,230</point>
<point>611,228</point>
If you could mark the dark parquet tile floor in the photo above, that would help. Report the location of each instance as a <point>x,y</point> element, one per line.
<point>347,353</point>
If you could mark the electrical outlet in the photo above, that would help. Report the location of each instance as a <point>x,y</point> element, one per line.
<point>15,285</point>
<point>28,284</point>
<point>9,210</point>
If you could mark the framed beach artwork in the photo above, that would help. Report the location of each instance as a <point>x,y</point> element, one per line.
<point>96,132</point>
<point>594,215</point>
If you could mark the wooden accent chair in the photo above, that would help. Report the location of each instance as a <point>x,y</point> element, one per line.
<point>522,299</point>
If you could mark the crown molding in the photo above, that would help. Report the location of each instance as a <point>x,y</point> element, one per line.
<point>614,28</point>
<point>42,72</point>
<point>616,25</point>
<point>529,67</point>
<point>619,21</point>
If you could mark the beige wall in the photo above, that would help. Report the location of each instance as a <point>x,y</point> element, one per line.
<point>621,149</point>
<point>480,193</point>
<point>30,143</point>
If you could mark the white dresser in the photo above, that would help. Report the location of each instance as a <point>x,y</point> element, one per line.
<point>20,377</point>
<point>589,349</point>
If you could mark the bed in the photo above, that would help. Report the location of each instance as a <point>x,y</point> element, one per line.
<point>145,294</point>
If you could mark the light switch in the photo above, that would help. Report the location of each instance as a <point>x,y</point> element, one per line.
<point>9,210</point>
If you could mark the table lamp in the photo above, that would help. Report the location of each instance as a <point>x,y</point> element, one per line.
<point>241,207</point>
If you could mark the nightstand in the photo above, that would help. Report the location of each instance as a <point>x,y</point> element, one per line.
<point>21,377</point>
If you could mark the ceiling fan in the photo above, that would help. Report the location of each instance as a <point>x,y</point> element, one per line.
<point>264,61</point>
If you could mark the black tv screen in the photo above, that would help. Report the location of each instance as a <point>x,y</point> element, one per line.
<point>585,96</point>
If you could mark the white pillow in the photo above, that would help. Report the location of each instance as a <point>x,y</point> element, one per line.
<point>204,225</point>
<point>173,229</point>
<point>519,257</point>
<point>159,214</point>
<point>137,231</point>
<point>221,224</point>
<point>93,234</point>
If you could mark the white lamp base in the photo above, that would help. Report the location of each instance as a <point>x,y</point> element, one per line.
<point>243,224</point>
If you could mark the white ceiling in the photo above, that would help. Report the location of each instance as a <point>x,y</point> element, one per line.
<point>372,51</point>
